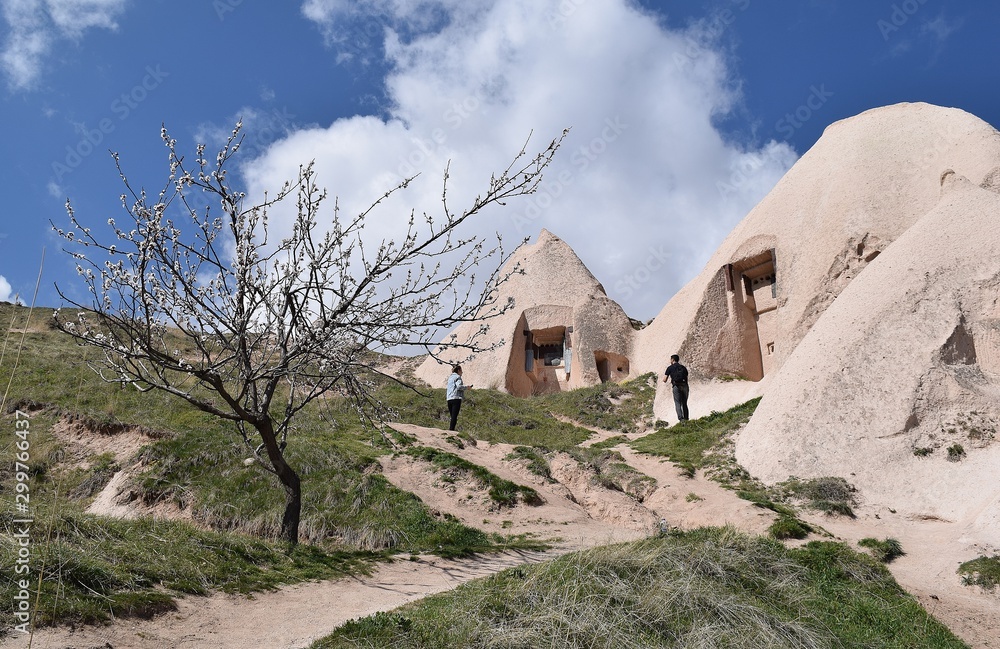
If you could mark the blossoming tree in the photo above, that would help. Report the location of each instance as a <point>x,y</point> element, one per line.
<point>199,302</point>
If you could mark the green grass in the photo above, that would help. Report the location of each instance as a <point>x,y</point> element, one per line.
<point>351,514</point>
<point>956,453</point>
<point>683,589</point>
<point>460,440</point>
<point>612,472</point>
<point>625,407</point>
<point>534,459</point>
<point>95,569</point>
<point>94,479</point>
<point>610,442</point>
<point>487,415</point>
<point>199,464</point>
<point>762,497</point>
<point>885,550</point>
<point>707,444</point>
<point>503,492</point>
<point>346,500</point>
<point>709,587</point>
<point>789,527</point>
<point>688,442</point>
<point>983,572</point>
<point>831,495</point>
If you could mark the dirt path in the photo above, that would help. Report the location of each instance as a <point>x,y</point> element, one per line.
<point>288,618</point>
<point>934,550</point>
<point>576,513</point>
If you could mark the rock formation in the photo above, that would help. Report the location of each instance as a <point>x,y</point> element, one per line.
<point>897,383</point>
<point>866,181</point>
<point>860,298</point>
<point>562,333</point>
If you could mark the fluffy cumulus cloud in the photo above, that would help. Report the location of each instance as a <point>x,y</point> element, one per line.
<point>35,26</point>
<point>5,290</point>
<point>645,186</point>
<point>352,25</point>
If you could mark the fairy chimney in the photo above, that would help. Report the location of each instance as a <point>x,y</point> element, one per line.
<point>563,331</point>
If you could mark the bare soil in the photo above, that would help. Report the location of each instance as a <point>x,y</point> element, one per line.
<point>577,512</point>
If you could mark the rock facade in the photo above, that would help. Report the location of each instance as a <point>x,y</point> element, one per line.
<point>563,331</point>
<point>860,298</point>
<point>866,181</point>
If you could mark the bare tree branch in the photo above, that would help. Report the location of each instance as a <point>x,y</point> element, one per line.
<point>202,304</point>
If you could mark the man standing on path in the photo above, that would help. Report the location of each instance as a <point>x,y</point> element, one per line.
<point>678,375</point>
<point>456,391</point>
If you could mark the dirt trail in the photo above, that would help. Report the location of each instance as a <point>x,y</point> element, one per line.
<point>695,502</point>
<point>576,513</point>
<point>288,618</point>
<point>928,570</point>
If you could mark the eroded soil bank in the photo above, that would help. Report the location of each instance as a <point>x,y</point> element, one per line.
<point>577,511</point>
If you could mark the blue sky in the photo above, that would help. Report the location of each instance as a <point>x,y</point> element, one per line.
<point>683,114</point>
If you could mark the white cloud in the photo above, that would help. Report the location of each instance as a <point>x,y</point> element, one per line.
<point>73,17</point>
<point>938,32</point>
<point>56,190</point>
<point>337,17</point>
<point>5,290</point>
<point>940,29</point>
<point>932,36</point>
<point>645,187</point>
<point>36,25</point>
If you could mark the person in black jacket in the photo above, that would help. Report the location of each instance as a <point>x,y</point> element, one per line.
<point>677,374</point>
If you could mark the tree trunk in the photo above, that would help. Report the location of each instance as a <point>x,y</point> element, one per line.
<point>289,479</point>
<point>293,502</point>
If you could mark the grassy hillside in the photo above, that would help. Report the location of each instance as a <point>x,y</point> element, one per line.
<point>95,568</point>
<point>681,589</point>
<point>690,443</point>
<point>705,588</point>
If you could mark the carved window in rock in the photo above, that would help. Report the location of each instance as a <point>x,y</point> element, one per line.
<point>753,286</point>
<point>611,366</point>
<point>549,347</point>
